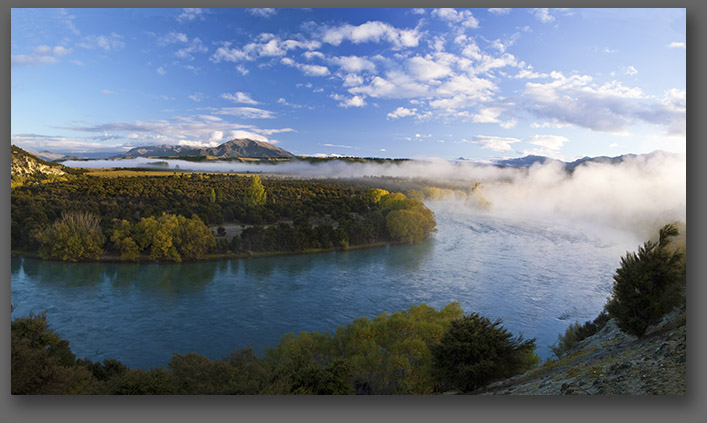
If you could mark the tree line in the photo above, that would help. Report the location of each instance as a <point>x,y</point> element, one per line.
<point>416,351</point>
<point>167,218</point>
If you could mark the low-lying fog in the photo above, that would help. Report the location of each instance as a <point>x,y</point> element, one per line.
<point>638,195</point>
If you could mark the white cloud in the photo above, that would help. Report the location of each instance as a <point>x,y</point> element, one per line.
<point>268,45</point>
<point>550,142</point>
<point>108,92</point>
<point>172,37</point>
<point>424,69</point>
<point>354,64</point>
<point>162,71</point>
<point>418,11</point>
<point>309,70</point>
<point>196,46</point>
<point>263,12</point>
<point>352,80</point>
<point>106,42</point>
<point>239,97</point>
<point>337,146</point>
<point>492,142</point>
<point>487,115</point>
<point>676,44</point>
<point>372,31</point>
<point>40,55</point>
<point>246,112</point>
<point>463,18</point>
<point>401,112</point>
<point>543,15</point>
<point>631,71</point>
<point>355,101</point>
<point>242,70</point>
<point>190,14</point>
<point>309,55</point>
<point>500,10</point>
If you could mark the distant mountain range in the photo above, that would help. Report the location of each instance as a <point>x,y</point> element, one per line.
<point>528,161</point>
<point>234,148</point>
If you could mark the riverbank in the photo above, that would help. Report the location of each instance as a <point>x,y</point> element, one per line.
<point>612,362</point>
<point>107,258</point>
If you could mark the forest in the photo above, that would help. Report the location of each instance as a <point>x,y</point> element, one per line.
<point>168,217</point>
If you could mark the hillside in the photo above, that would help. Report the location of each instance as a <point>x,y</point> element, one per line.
<point>610,363</point>
<point>25,166</point>
<point>234,148</point>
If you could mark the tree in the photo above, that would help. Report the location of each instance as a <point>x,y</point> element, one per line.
<point>75,236</point>
<point>476,351</point>
<point>648,284</point>
<point>255,194</point>
<point>42,362</point>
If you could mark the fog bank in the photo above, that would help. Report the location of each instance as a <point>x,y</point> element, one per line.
<point>639,194</point>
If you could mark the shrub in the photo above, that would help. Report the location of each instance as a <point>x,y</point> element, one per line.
<point>475,351</point>
<point>648,284</point>
<point>576,333</point>
<point>75,236</point>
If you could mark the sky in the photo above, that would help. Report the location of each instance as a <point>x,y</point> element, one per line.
<point>481,84</point>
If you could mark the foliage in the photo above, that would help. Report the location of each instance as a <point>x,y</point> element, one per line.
<point>75,236</point>
<point>409,221</point>
<point>255,194</point>
<point>476,351</point>
<point>391,353</point>
<point>42,363</point>
<point>576,333</point>
<point>648,284</point>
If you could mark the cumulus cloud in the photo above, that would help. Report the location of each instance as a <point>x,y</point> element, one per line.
<point>239,97</point>
<point>266,45</point>
<point>610,107</point>
<point>455,18</point>
<point>353,64</point>
<point>550,142</point>
<point>401,112</point>
<point>372,31</point>
<point>347,102</point>
<point>677,44</point>
<point>309,70</point>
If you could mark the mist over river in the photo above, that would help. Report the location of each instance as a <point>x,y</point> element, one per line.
<point>537,275</point>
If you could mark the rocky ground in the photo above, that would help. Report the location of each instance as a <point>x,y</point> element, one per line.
<point>610,363</point>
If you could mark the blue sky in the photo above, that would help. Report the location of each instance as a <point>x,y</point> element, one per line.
<point>476,83</point>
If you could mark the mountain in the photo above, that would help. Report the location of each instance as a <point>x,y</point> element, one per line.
<point>234,148</point>
<point>528,161</point>
<point>25,166</point>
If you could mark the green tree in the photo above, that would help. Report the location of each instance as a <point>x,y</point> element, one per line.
<point>255,194</point>
<point>75,236</point>
<point>42,363</point>
<point>476,351</point>
<point>648,284</point>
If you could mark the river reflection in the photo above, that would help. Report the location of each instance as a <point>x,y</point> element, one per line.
<point>537,277</point>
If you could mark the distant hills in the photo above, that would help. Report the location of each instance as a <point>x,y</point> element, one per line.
<point>530,160</point>
<point>245,147</point>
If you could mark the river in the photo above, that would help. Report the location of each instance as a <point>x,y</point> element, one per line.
<point>538,276</point>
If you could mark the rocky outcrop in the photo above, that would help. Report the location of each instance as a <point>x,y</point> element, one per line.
<point>24,165</point>
<point>612,362</point>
